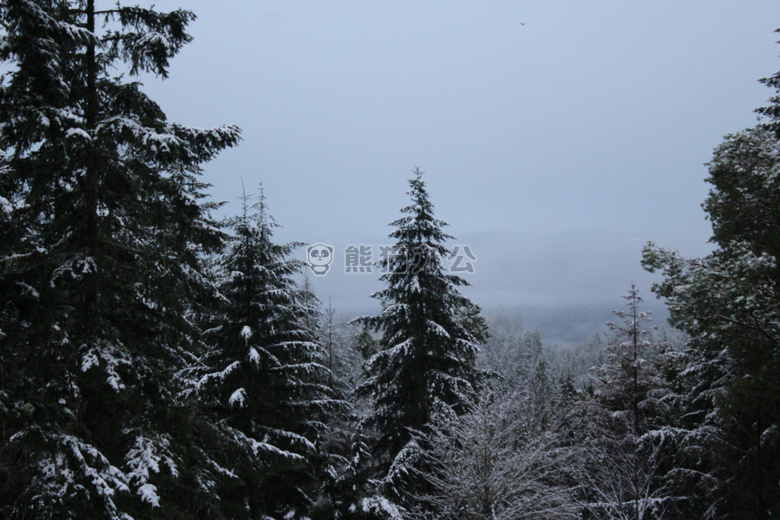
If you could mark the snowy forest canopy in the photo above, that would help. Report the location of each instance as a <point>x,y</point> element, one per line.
<point>157,363</point>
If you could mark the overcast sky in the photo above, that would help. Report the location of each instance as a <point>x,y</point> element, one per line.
<point>557,137</point>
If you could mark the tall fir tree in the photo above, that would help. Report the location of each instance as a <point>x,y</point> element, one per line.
<point>427,351</point>
<point>103,271</point>
<point>266,380</point>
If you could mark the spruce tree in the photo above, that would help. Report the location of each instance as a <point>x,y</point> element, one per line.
<point>266,380</point>
<point>427,352</point>
<point>102,271</point>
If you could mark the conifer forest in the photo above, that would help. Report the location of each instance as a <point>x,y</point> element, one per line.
<point>162,362</point>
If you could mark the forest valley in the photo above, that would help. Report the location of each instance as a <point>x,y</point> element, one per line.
<point>160,364</point>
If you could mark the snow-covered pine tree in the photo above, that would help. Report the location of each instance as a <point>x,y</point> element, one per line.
<point>365,344</point>
<point>427,354</point>
<point>266,380</point>
<point>771,113</point>
<point>629,388</point>
<point>626,453</point>
<point>728,303</point>
<point>107,227</point>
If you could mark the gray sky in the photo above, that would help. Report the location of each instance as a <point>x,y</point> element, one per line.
<point>557,137</point>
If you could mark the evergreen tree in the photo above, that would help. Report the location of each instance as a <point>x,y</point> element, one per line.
<point>629,388</point>
<point>771,113</point>
<point>628,411</point>
<point>101,272</point>
<point>267,379</point>
<point>427,352</point>
<point>365,343</point>
<point>728,304</point>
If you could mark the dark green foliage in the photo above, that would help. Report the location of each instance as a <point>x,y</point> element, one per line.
<point>728,303</point>
<point>728,386</point>
<point>266,383</point>
<point>102,269</point>
<point>427,352</point>
<point>744,203</point>
<point>772,112</point>
<point>365,343</point>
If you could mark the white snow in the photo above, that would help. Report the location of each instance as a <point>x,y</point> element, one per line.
<point>78,132</point>
<point>246,332</point>
<point>254,357</point>
<point>88,361</point>
<point>5,206</point>
<point>76,463</point>
<point>239,396</point>
<point>219,375</point>
<point>381,505</point>
<point>438,329</point>
<point>145,458</point>
<point>113,356</point>
<point>265,447</point>
<point>148,493</point>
